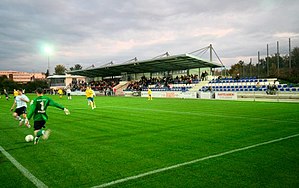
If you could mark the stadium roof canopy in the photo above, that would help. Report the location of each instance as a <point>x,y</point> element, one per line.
<point>168,63</point>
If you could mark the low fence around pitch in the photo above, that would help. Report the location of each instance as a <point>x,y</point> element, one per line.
<point>171,94</point>
<point>185,95</point>
<point>163,94</point>
<point>218,95</point>
<point>83,93</point>
<point>77,93</point>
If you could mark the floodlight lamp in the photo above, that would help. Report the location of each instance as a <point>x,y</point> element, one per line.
<point>48,50</point>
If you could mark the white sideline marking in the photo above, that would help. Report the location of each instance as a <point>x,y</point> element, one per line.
<point>24,171</point>
<point>191,162</point>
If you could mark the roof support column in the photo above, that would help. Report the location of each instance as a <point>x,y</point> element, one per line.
<point>211,53</point>
<point>135,76</point>
<point>199,72</point>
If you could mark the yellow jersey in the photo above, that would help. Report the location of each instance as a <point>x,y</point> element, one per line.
<point>15,93</point>
<point>60,92</point>
<point>89,93</point>
<point>149,91</point>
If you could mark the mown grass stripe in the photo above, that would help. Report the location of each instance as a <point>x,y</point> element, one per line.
<point>203,114</point>
<point>23,170</point>
<point>192,162</point>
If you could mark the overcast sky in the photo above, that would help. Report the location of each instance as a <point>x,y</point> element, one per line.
<point>96,32</point>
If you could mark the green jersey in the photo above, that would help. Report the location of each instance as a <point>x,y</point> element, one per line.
<point>39,106</point>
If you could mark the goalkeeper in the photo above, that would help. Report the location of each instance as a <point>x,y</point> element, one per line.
<point>38,108</point>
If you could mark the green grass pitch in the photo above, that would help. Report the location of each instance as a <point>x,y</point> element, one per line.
<point>126,137</point>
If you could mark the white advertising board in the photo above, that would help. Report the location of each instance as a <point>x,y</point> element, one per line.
<point>171,94</point>
<point>226,95</point>
<point>77,93</point>
<point>205,95</point>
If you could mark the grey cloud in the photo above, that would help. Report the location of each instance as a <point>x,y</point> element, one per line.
<point>95,32</point>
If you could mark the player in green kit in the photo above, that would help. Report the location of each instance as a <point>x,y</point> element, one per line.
<point>38,109</point>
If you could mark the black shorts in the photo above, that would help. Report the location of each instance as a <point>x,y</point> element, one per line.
<point>21,110</point>
<point>39,125</point>
<point>69,94</point>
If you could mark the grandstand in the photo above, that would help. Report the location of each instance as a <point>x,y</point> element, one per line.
<point>161,75</point>
<point>161,64</point>
<point>249,84</point>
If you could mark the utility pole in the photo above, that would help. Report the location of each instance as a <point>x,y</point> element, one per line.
<point>211,57</point>
<point>49,64</point>
<point>250,67</point>
<point>277,59</point>
<point>258,66</point>
<point>290,56</point>
<point>267,60</point>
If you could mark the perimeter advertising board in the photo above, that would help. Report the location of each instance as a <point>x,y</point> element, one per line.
<point>170,94</point>
<point>226,95</point>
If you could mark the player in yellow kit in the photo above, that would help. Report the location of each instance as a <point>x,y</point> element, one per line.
<point>60,92</point>
<point>15,93</point>
<point>89,95</point>
<point>149,92</point>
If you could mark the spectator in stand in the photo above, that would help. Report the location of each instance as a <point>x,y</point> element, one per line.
<point>206,75</point>
<point>274,88</point>
<point>268,89</point>
<point>258,86</point>
<point>238,76</point>
<point>207,89</point>
<point>114,91</point>
<point>202,76</point>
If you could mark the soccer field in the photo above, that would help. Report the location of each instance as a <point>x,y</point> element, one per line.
<point>133,142</point>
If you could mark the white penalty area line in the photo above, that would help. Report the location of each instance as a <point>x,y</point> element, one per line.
<point>23,170</point>
<point>191,162</point>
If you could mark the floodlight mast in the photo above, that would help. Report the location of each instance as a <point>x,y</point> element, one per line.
<point>48,51</point>
<point>48,64</point>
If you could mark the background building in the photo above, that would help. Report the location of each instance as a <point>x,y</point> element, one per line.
<point>64,81</point>
<point>23,77</point>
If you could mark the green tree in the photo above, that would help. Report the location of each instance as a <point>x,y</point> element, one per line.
<point>236,68</point>
<point>9,85</point>
<point>76,67</point>
<point>60,70</point>
<point>31,86</point>
<point>260,70</point>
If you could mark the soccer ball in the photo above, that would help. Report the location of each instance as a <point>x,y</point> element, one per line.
<point>29,138</point>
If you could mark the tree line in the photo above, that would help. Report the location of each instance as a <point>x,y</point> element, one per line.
<point>275,66</point>
<point>30,87</point>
